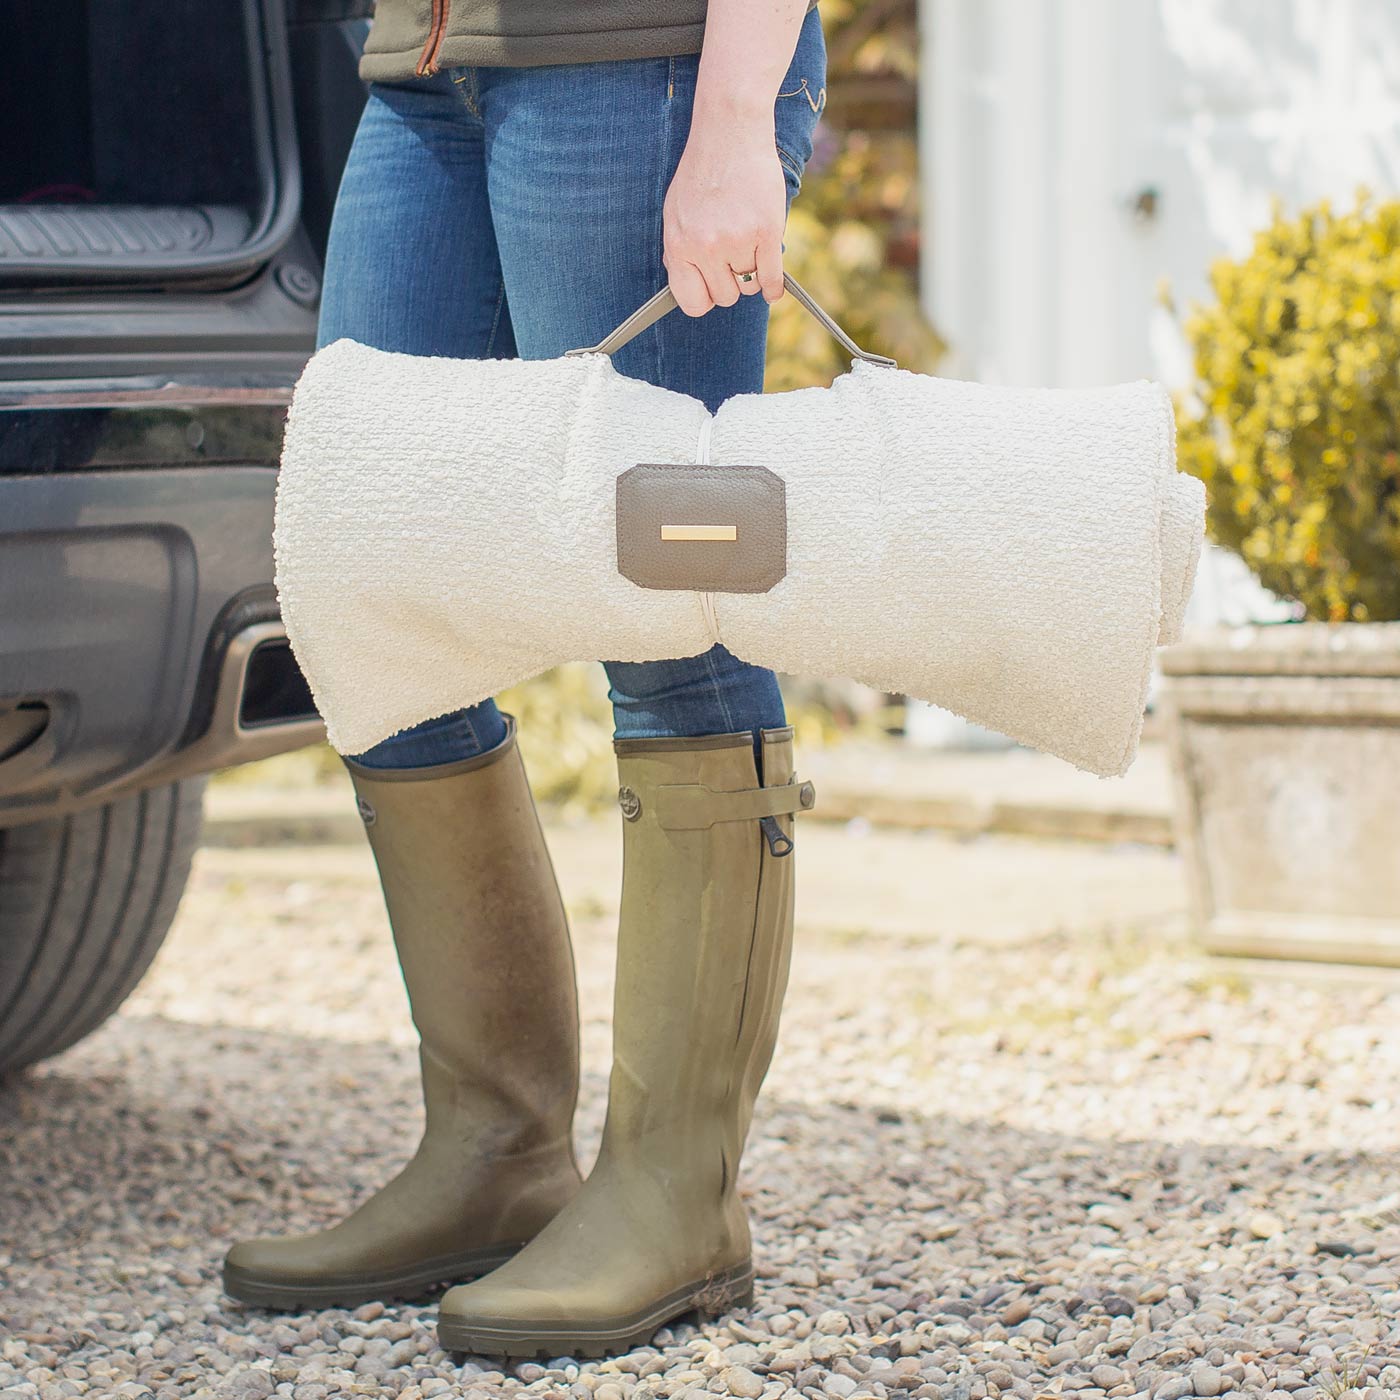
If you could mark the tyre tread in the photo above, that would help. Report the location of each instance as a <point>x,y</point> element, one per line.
<point>109,892</point>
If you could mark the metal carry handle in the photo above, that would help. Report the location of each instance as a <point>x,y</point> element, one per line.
<point>665,300</point>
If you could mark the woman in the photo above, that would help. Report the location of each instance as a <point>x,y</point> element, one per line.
<point>523,178</point>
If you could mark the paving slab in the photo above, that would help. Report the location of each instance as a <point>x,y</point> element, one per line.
<point>1004,790</point>
<point>1013,792</point>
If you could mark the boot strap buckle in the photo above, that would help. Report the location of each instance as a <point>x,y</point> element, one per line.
<point>695,806</point>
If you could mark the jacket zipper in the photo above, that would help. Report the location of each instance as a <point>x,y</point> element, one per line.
<point>427,60</point>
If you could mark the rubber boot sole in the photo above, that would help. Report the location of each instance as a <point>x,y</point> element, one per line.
<point>405,1285</point>
<point>708,1299</point>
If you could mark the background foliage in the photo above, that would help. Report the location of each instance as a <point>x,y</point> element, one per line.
<point>852,235</point>
<point>1294,425</point>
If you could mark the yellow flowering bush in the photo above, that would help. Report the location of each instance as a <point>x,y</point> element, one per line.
<point>1294,424</point>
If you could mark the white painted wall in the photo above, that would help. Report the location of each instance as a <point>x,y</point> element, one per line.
<point>1043,121</point>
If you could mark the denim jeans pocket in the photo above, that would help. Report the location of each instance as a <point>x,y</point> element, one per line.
<point>466,83</point>
<point>801,99</point>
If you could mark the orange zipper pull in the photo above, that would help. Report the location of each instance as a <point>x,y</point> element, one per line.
<point>437,25</point>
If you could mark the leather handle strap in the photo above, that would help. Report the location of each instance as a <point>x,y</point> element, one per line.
<point>694,806</point>
<point>652,311</point>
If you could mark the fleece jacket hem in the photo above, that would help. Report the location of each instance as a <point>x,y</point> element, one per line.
<point>459,50</point>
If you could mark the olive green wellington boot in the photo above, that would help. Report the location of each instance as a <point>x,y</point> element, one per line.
<point>704,942</point>
<point>484,947</point>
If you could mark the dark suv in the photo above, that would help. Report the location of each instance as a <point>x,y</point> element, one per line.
<point>166,179</point>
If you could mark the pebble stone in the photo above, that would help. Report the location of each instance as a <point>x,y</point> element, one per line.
<point>1093,1164</point>
<point>739,1380</point>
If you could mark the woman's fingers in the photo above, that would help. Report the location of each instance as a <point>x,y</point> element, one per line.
<point>689,287</point>
<point>769,262</point>
<point>751,264</point>
<point>719,277</point>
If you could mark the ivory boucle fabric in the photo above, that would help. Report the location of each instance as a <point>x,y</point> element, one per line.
<point>445,528</point>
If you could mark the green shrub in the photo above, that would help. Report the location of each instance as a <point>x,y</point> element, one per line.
<point>1294,424</point>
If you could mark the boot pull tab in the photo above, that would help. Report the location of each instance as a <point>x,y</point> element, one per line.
<point>779,842</point>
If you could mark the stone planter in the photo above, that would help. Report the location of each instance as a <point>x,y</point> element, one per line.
<point>1286,746</point>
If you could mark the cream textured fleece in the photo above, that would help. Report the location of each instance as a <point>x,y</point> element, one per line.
<point>445,528</point>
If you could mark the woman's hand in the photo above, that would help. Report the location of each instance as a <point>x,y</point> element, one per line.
<point>724,212</point>
<point>727,203</point>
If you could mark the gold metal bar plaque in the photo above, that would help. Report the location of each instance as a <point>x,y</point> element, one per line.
<point>699,532</point>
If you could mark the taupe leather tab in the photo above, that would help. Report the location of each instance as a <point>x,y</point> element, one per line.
<point>693,806</point>
<point>707,529</point>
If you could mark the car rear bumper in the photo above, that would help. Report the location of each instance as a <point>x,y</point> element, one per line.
<point>140,639</point>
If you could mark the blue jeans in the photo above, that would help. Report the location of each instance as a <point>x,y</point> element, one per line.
<point>495,212</point>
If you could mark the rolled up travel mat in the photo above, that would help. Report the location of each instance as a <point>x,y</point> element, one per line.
<point>447,528</point>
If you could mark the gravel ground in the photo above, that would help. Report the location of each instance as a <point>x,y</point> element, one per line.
<point>1085,1163</point>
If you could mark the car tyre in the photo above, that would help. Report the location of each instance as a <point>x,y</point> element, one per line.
<point>85,903</point>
